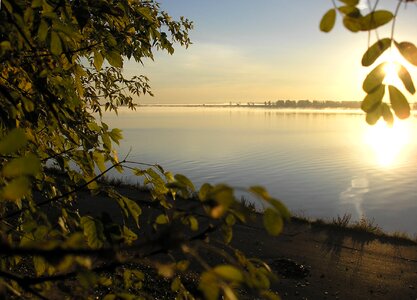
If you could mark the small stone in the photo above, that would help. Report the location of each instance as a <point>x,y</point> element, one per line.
<point>411,287</point>
<point>326,293</point>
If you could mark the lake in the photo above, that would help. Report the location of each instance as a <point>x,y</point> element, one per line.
<point>319,163</point>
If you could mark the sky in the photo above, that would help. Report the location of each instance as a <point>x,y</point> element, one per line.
<point>255,51</point>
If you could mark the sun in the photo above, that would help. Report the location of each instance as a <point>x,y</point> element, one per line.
<point>387,142</point>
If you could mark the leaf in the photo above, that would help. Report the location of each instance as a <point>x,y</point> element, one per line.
<point>408,51</point>
<point>399,103</point>
<point>134,209</point>
<point>406,79</point>
<point>204,192</point>
<point>193,223</point>
<point>209,286</point>
<point>374,78</point>
<point>352,23</point>
<point>115,59</point>
<point>56,44</point>
<point>350,2</point>
<point>12,142</point>
<point>281,208</point>
<point>162,219</point>
<point>229,273</point>
<point>16,189</point>
<point>273,222</point>
<point>375,51</point>
<point>40,265</point>
<point>98,60</point>
<point>373,116</point>
<point>29,165</point>
<point>93,231</point>
<point>387,114</point>
<point>260,191</point>
<point>43,30</point>
<point>376,19</point>
<point>372,100</point>
<point>328,20</point>
<point>185,181</point>
<point>350,11</point>
<point>116,135</point>
<point>99,159</point>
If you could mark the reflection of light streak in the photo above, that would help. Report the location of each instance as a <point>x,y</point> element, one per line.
<point>359,186</point>
<point>388,142</point>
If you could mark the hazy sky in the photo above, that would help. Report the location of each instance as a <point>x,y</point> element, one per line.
<point>262,50</point>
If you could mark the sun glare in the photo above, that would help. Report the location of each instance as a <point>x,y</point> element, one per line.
<point>387,142</point>
<point>391,73</point>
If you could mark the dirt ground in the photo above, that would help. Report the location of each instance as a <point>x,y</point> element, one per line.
<point>323,262</point>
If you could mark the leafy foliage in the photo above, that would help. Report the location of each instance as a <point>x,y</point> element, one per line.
<point>355,21</point>
<point>61,67</point>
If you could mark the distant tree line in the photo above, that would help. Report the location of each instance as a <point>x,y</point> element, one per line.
<point>308,104</point>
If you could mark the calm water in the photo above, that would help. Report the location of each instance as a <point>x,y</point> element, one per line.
<point>319,164</point>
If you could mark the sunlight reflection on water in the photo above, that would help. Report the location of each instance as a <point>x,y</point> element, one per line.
<point>321,163</point>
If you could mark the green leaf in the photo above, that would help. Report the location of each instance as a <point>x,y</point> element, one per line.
<point>209,286</point>
<point>387,114</point>
<point>115,59</point>
<point>29,165</point>
<point>399,103</point>
<point>98,60</point>
<point>375,51</point>
<point>56,44</point>
<point>376,19</point>
<point>12,142</point>
<point>328,21</point>
<point>185,181</point>
<point>99,159</point>
<point>350,11</point>
<point>43,30</point>
<point>260,192</point>
<point>281,208</point>
<point>116,135</point>
<point>204,192</point>
<point>373,116</point>
<point>134,209</point>
<point>373,100</point>
<point>406,79</point>
<point>40,265</point>
<point>193,223</point>
<point>162,219</point>
<point>93,231</point>
<point>273,222</point>
<point>16,189</point>
<point>352,23</point>
<point>374,78</point>
<point>408,51</point>
<point>229,273</point>
<point>37,3</point>
<point>350,2</point>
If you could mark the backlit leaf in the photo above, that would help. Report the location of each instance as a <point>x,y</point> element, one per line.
<point>185,181</point>
<point>162,219</point>
<point>352,23</point>
<point>328,21</point>
<point>99,160</point>
<point>228,272</point>
<point>375,51</point>
<point>16,189</point>
<point>408,51</point>
<point>98,60</point>
<point>272,221</point>
<point>373,116</point>
<point>399,103</point>
<point>350,2</point>
<point>374,78</point>
<point>115,59</point>
<point>15,140</point>
<point>376,19</point>
<point>372,100</point>
<point>134,209</point>
<point>260,192</point>
<point>387,114</point>
<point>29,165</point>
<point>93,231</point>
<point>406,79</point>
